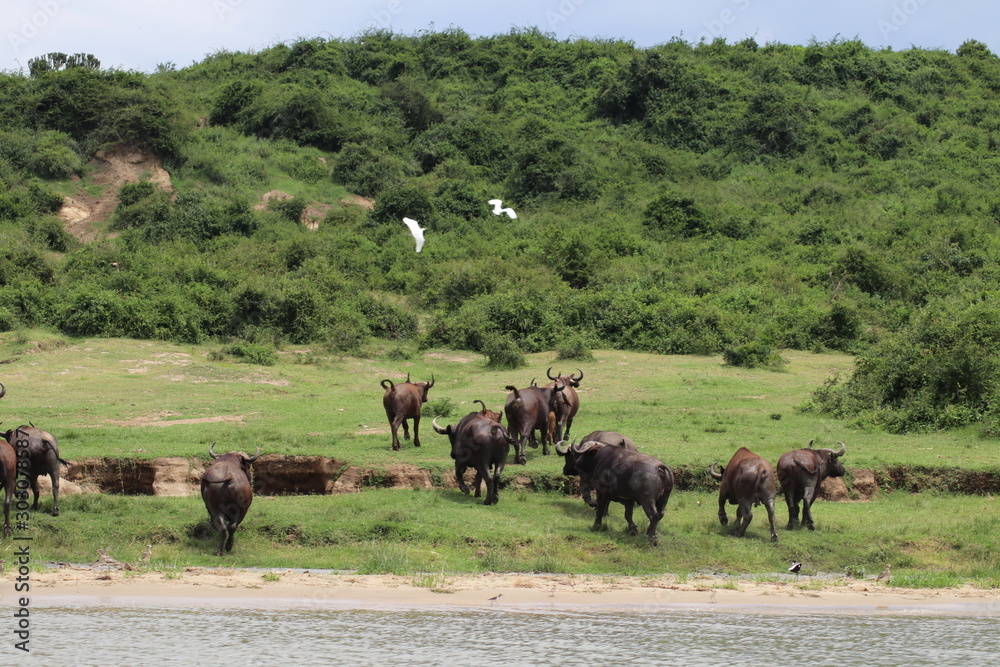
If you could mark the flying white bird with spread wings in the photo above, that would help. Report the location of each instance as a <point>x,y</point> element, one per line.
<point>417,231</point>
<point>497,203</point>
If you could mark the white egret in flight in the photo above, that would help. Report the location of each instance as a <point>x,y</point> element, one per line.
<point>417,231</point>
<point>497,203</point>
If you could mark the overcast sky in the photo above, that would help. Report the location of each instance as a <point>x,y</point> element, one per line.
<point>140,34</point>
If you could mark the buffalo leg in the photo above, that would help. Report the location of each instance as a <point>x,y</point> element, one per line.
<point>406,429</point>
<point>219,524</point>
<point>601,510</point>
<point>497,471</point>
<point>723,517</point>
<point>632,528</point>
<point>460,477</point>
<point>654,513</point>
<point>521,441</point>
<point>483,473</point>
<point>7,530</point>
<point>807,500</point>
<point>54,476</point>
<point>34,490</point>
<point>744,514</point>
<point>769,505</point>
<point>585,490</point>
<point>394,425</point>
<point>232,536</point>
<point>416,430</point>
<point>793,508</point>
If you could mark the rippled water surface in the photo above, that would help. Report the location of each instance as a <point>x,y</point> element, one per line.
<point>101,635</point>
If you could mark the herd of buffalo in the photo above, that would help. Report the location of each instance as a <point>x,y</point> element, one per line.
<point>608,463</point>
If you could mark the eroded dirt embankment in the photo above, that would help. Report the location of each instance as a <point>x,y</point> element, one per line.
<point>276,474</point>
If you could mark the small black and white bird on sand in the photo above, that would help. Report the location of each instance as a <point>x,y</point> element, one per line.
<point>795,568</point>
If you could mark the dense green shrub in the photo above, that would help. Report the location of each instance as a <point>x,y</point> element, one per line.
<point>253,353</point>
<point>502,353</point>
<point>755,354</point>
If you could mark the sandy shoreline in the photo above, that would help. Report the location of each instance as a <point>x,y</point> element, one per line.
<point>269,589</point>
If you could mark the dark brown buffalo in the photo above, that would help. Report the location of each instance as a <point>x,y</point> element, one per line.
<point>527,411</point>
<point>747,481</point>
<point>227,492</point>
<point>489,414</point>
<point>37,454</point>
<point>8,477</point>
<point>626,477</point>
<point>403,401</point>
<point>570,468</point>
<point>482,443</point>
<point>800,473</point>
<point>566,403</point>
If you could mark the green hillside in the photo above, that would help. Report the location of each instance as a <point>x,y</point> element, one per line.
<point>711,198</point>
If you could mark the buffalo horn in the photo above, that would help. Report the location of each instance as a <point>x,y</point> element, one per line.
<point>843,448</point>
<point>713,473</point>
<point>407,376</point>
<point>549,373</point>
<point>211,452</point>
<point>3,390</point>
<point>810,445</point>
<point>577,379</point>
<point>255,456</point>
<point>431,382</point>
<point>438,429</point>
<point>560,448</point>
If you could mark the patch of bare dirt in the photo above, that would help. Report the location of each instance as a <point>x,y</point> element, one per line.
<point>311,215</point>
<point>83,213</point>
<point>357,200</point>
<point>452,357</point>
<point>159,419</point>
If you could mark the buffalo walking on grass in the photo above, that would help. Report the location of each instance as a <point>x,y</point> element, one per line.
<point>482,443</point>
<point>403,401</point>
<point>227,492</point>
<point>42,458</point>
<point>800,473</point>
<point>626,477</point>
<point>747,481</point>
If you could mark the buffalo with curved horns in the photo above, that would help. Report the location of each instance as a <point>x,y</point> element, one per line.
<point>528,411</point>
<point>482,443</point>
<point>489,414</point>
<point>626,477</point>
<point>38,454</point>
<point>800,473</point>
<point>570,467</point>
<point>403,401</point>
<point>747,481</point>
<point>227,492</point>
<point>566,403</point>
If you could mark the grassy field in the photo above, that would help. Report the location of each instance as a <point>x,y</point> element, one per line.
<point>121,398</point>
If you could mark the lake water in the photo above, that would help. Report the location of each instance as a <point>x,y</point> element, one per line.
<point>195,634</point>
